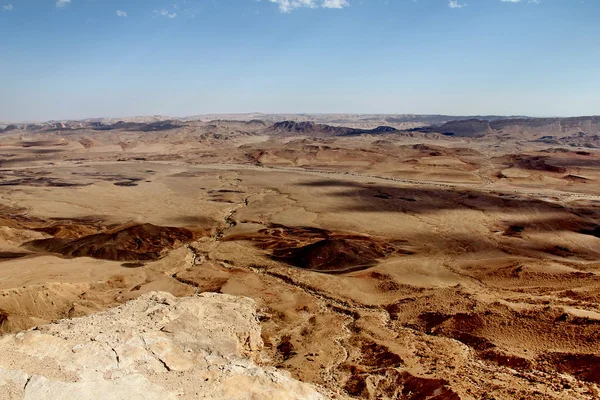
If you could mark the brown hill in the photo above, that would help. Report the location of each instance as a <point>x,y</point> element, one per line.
<point>138,242</point>
<point>332,255</point>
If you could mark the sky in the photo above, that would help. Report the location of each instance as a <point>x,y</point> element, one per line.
<point>74,59</point>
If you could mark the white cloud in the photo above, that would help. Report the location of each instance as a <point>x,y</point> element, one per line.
<point>121,13</point>
<point>456,4</point>
<point>8,7</point>
<point>165,13</point>
<point>62,3</point>
<point>287,6</point>
<point>335,3</point>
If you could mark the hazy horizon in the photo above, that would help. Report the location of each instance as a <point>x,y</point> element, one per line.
<point>240,114</point>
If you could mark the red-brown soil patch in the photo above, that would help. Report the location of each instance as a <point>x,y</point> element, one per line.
<point>378,356</point>
<point>331,255</point>
<point>576,179</point>
<point>535,163</point>
<point>321,250</point>
<point>582,366</point>
<point>394,384</point>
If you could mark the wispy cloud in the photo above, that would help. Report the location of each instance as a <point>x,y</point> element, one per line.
<point>62,3</point>
<point>121,13</point>
<point>287,6</point>
<point>8,7</point>
<point>335,3</point>
<point>456,4</point>
<point>165,13</point>
<point>518,1</point>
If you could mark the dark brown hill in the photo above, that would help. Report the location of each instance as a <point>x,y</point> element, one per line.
<point>307,128</point>
<point>134,243</point>
<point>331,255</point>
<point>314,129</point>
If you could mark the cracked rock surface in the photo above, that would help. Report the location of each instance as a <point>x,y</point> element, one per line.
<point>155,347</point>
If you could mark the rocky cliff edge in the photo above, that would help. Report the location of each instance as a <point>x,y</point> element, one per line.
<point>155,347</point>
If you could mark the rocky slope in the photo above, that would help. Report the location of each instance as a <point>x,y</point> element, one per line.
<point>155,347</point>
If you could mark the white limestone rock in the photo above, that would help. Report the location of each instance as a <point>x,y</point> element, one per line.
<point>154,347</point>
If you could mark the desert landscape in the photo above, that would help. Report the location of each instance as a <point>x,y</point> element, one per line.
<point>389,257</point>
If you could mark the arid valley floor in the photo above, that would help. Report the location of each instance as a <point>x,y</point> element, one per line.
<point>419,263</point>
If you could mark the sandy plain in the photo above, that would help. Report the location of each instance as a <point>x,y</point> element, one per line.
<point>386,266</point>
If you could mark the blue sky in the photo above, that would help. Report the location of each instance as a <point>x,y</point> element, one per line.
<point>92,58</point>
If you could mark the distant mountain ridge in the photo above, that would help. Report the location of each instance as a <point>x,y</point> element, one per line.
<point>95,125</point>
<point>336,119</point>
<point>551,127</point>
<point>311,128</point>
<point>573,131</point>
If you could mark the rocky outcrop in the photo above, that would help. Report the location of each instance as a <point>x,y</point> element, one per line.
<point>154,347</point>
